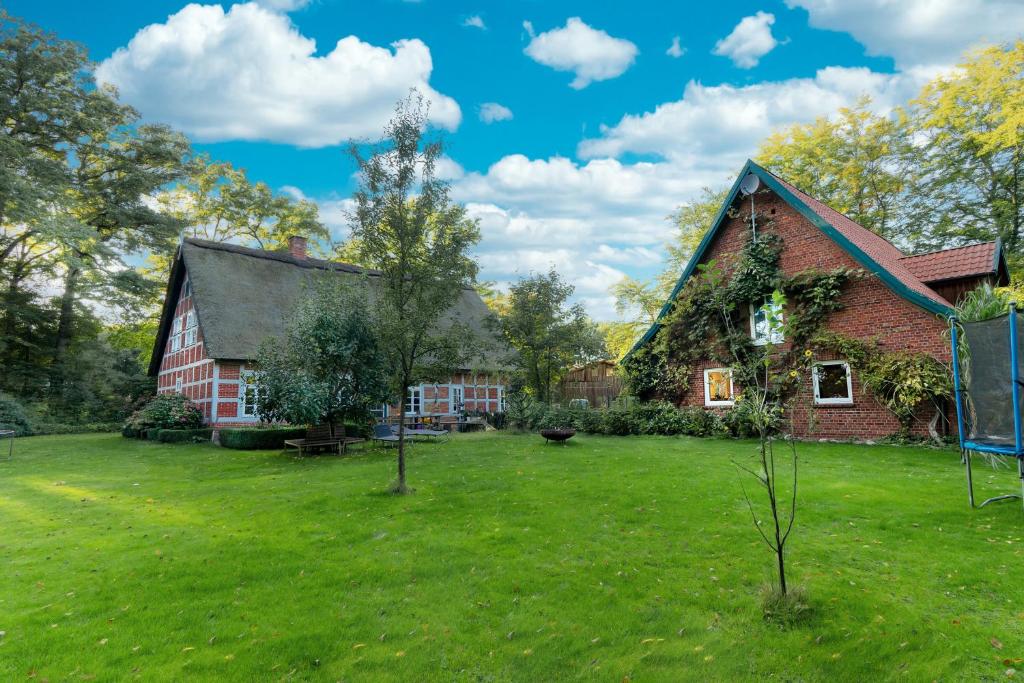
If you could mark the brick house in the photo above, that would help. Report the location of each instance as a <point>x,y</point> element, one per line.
<point>224,300</point>
<point>903,302</point>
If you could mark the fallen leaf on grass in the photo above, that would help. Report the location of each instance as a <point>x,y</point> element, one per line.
<point>103,642</point>
<point>187,649</point>
<point>996,643</point>
<point>358,645</point>
<point>400,653</point>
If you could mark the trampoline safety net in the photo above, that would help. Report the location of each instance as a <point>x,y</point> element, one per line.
<point>985,357</point>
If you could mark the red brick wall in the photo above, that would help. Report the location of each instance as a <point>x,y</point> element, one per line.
<point>480,392</point>
<point>871,310</point>
<point>188,365</point>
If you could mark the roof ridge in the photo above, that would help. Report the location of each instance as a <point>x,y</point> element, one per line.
<point>282,256</point>
<point>948,249</point>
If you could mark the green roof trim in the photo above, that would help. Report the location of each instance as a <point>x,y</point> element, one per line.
<point>868,263</point>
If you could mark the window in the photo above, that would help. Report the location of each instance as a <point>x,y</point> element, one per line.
<point>718,390</point>
<point>414,402</point>
<point>248,393</point>
<point>379,412</point>
<point>457,399</point>
<point>766,322</point>
<point>187,289</point>
<point>176,334</point>
<point>177,385</point>
<point>501,400</point>
<point>191,328</point>
<point>832,383</point>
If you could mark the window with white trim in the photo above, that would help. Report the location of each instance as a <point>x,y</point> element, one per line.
<point>766,322</point>
<point>414,401</point>
<point>176,333</point>
<point>718,389</point>
<point>458,403</point>
<point>177,385</point>
<point>191,328</point>
<point>833,384</point>
<point>379,412</point>
<point>248,393</point>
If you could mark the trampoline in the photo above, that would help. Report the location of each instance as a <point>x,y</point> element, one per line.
<point>987,372</point>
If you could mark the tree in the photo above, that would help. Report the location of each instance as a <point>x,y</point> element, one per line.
<point>549,335</point>
<point>329,364</point>
<point>857,162</point>
<point>406,227</point>
<point>692,221</point>
<point>970,184</point>
<point>217,202</point>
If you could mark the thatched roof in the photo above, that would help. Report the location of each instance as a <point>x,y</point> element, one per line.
<point>244,295</point>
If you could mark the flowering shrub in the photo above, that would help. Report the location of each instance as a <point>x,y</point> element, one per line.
<point>167,411</point>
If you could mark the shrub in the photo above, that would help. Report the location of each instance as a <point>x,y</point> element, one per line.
<point>184,435</point>
<point>556,418</point>
<point>257,439</point>
<point>591,421</point>
<point>153,434</point>
<point>41,428</point>
<point>129,432</point>
<point>167,411</point>
<point>619,423</point>
<point>13,416</point>
<point>700,422</point>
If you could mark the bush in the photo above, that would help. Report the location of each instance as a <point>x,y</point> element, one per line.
<point>619,423</point>
<point>41,428</point>
<point>700,422</point>
<point>153,434</point>
<point>13,416</point>
<point>184,435</point>
<point>591,421</point>
<point>257,439</point>
<point>555,418</point>
<point>129,432</point>
<point>167,411</point>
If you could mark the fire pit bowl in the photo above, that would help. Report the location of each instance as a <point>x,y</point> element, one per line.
<point>558,435</point>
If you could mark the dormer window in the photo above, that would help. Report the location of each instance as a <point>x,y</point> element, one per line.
<point>766,322</point>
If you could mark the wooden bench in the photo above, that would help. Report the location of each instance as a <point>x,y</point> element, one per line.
<point>320,437</point>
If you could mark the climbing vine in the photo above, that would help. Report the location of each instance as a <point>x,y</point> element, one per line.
<point>707,321</point>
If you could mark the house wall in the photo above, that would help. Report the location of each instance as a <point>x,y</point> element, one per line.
<point>871,310</point>
<point>187,370</point>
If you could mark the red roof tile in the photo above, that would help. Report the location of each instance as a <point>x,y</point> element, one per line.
<point>949,264</point>
<point>878,249</point>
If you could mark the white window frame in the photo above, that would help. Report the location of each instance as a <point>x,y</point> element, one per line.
<point>456,398</point>
<point>244,385</point>
<point>414,401</point>
<point>176,333</point>
<point>380,412</point>
<point>776,336</point>
<point>191,329</point>
<point>849,385</point>
<point>707,388</point>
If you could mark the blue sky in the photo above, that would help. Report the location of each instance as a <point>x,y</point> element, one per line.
<point>601,117</point>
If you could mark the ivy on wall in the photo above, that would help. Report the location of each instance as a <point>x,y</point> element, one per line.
<point>709,321</point>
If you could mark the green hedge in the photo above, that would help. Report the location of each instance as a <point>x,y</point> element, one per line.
<point>258,439</point>
<point>184,435</point>
<point>41,428</point>
<point>652,417</point>
<point>153,434</point>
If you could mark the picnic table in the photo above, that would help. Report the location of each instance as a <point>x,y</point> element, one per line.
<point>320,437</point>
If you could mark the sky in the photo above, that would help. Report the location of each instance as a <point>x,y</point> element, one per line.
<point>573,129</point>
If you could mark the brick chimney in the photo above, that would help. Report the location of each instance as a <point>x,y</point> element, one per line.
<point>297,246</point>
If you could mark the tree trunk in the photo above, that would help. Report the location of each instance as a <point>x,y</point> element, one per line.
<point>64,329</point>
<point>782,571</point>
<point>399,486</point>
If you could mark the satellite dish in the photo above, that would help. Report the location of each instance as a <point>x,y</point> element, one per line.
<point>749,184</point>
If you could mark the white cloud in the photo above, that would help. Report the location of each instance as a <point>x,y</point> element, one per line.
<point>248,74</point>
<point>675,49</point>
<point>475,21</point>
<point>718,126</point>
<point>283,5</point>
<point>919,32</point>
<point>591,54</point>
<point>492,111</point>
<point>749,41</point>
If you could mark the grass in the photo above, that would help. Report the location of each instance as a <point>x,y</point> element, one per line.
<point>609,559</point>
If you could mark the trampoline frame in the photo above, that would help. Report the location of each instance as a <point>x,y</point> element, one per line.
<point>966,445</point>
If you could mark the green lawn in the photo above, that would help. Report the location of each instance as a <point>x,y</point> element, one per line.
<point>609,559</point>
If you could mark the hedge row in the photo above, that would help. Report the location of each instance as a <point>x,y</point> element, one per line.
<point>654,417</point>
<point>184,435</point>
<point>257,439</point>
